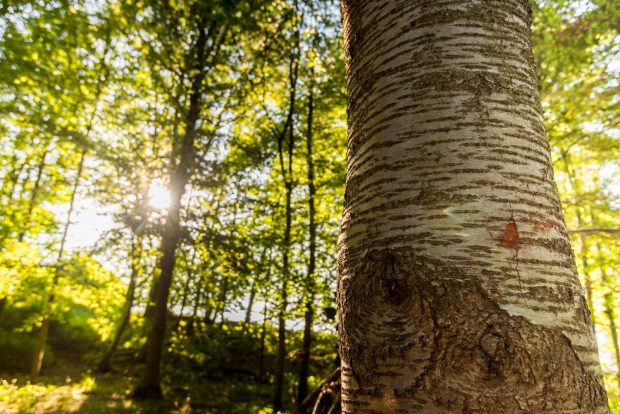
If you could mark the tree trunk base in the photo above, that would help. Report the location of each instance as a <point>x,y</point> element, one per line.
<point>105,365</point>
<point>147,392</point>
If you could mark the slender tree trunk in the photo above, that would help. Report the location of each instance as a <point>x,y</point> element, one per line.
<point>222,301</point>
<point>281,355</point>
<point>14,182</point>
<point>582,238</point>
<point>199,294</point>
<point>149,386</point>
<point>210,311</point>
<point>8,185</point>
<point>10,182</point>
<point>198,299</point>
<point>608,300</point>
<point>248,311</point>
<point>225,277</point>
<point>150,305</point>
<point>457,288</point>
<point>10,178</point>
<point>105,363</point>
<point>34,193</point>
<point>261,358</point>
<point>256,281</point>
<point>209,318</point>
<point>22,186</point>
<point>39,351</point>
<point>587,277</point>
<point>191,327</point>
<point>177,323</point>
<point>185,296</point>
<point>3,304</point>
<point>286,169</point>
<point>608,306</point>
<point>37,359</point>
<point>304,370</point>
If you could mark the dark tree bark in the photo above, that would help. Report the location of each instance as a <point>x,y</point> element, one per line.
<point>261,357</point>
<point>248,311</point>
<point>185,294</point>
<point>286,170</point>
<point>253,289</point>
<point>2,304</point>
<point>304,369</point>
<point>149,310</point>
<point>191,327</point>
<point>200,296</point>
<point>106,360</point>
<point>222,300</point>
<point>149,386</point>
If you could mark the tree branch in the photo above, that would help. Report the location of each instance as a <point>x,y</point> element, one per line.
<point>594,231</point>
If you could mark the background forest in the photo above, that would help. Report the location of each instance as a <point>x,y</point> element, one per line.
<point>174,171</point>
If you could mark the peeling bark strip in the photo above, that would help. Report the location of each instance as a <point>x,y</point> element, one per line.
<point>458,290</point>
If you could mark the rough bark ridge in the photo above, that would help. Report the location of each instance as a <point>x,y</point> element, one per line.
<point>458,290</point>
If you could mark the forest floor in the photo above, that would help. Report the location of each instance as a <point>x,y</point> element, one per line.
<point>217,374</point>
<point>86,392</point>
<point>67,388</point>
<point>215,370</point>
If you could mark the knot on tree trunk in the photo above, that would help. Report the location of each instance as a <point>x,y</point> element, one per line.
<point>467,350</point>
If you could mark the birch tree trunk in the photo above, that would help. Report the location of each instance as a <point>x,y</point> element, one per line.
<point>458,290</point>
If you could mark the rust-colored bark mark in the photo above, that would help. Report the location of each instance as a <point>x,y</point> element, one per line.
<point>511,237</point>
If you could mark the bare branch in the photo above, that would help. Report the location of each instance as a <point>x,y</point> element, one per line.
<point>594,231</point>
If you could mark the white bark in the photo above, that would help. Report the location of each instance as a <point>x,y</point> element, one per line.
<point>457,284</point>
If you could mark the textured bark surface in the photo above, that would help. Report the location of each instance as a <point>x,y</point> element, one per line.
<point>458,290</point>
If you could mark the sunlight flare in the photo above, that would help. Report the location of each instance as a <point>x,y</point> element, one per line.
<point>159,195</point>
